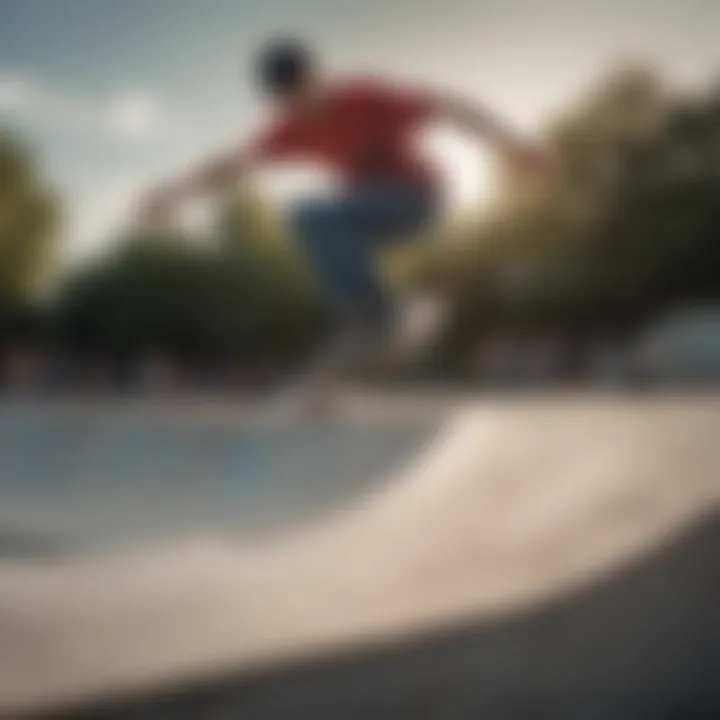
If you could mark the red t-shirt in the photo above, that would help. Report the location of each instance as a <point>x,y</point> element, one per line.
<point>366,132</point>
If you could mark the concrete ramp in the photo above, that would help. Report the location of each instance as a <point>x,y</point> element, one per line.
<point>512,507</point>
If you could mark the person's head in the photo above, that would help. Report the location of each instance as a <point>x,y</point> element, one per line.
<point>286,70</point>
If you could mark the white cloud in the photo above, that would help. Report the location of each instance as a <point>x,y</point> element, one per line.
<point>128,115</point>
<point>135,114</point>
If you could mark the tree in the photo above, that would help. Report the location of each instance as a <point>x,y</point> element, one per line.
<point>252,239</point>
<point>30,215</point>
<point>235,294</point>
<point>627,226</point>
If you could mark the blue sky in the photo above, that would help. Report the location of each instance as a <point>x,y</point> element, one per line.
<point>118,93</point>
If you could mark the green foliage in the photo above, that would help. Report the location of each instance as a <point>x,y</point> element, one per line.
<point>29,222</point>
<point>627,226</point>
<point>235,294</point>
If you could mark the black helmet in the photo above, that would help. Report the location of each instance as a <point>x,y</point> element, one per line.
<point>283,65</point>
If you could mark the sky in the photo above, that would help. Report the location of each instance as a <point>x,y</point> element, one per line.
<point>117,94</point>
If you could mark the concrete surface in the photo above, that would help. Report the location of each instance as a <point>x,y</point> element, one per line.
<point>525,560</point>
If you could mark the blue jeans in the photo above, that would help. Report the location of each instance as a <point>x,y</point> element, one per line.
<point>340,238</point>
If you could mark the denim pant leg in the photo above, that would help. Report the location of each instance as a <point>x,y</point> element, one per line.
<point>341,256</point>
<point>340,238</point>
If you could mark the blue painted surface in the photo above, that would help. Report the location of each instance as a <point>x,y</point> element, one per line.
<point>101,476</point>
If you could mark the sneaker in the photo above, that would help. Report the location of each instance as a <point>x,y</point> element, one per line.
<point>418,325</point>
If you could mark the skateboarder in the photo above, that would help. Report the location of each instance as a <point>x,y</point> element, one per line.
<point>363,130</point>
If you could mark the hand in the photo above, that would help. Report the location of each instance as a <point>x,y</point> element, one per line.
<point>155,207</point>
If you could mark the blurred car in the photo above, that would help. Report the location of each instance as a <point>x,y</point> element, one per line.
<point>683,347</point>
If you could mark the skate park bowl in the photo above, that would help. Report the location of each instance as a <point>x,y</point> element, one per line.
<point>441,557</point>
<point>79,479</point>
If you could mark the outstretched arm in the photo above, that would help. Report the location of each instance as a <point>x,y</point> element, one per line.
<point>479,121</point>
<point>212,176</point>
